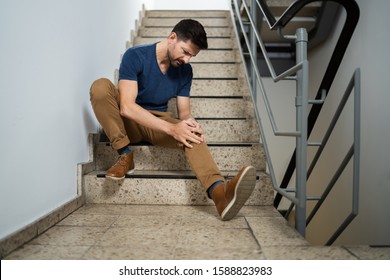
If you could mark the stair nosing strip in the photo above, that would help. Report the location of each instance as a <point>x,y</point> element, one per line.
<point>214,62</point>
<point>223,119</point>
<point>101,174</point>
<point>170,26</point>
<point>208,37</point>
<point>222,144</point>
<point>215,78</point>
<point>217,96</point>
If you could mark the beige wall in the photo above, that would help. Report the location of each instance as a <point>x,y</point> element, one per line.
<point>368,50</point>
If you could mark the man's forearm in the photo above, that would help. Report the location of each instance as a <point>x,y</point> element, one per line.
<point>143,117</point>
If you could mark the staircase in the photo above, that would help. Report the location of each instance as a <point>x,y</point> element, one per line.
<point>219,101</point>
<point>97,224</point>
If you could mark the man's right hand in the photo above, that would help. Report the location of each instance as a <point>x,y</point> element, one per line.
<point>187,132</point>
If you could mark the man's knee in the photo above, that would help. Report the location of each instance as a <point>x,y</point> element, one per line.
<point>100,88</point>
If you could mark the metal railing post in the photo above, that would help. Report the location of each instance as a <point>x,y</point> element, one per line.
<point>253,10</point>
<point>301,124</point>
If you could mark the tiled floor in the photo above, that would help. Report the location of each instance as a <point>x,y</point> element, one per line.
<point>179,232</point>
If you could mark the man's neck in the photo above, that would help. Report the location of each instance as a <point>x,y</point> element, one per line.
<point>162,56</point>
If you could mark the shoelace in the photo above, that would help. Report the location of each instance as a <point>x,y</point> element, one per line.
<point>121,161</point>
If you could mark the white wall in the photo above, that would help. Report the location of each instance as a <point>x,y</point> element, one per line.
<point>50,53</point>
<point>368,50</point>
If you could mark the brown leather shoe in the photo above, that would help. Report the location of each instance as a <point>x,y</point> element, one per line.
<point>230,197</point>
<point>124,165</point>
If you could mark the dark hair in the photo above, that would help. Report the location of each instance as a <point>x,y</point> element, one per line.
<point>189,29</point>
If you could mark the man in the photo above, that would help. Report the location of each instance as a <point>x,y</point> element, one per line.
<point>149,76</point>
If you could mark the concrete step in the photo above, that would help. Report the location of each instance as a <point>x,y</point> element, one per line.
<point>224,107</point>
<point>215,70</point>
<point>219,88</point>
<point>162,188</point>
<point>230,130</point>
<point>217,32</point>
<point>187,14</point>
<point>228,156</point>
<point>234,130</point>
<point>215,55</point>
<point>171,22</point>
<point>214,43</point>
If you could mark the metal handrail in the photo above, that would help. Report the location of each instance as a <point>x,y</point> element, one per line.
<point>353,151</point>
<point>301,71</point>
<point>352,18</point>
<point>268,107</point>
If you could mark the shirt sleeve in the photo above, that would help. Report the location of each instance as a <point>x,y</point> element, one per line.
<point>130,66</point>
<point>187,82</point>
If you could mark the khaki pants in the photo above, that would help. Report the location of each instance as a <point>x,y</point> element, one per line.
<point>121,131</point>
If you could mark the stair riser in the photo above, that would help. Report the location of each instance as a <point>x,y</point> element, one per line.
<point>217,108</point>
<point>218,88</point>
<point>187,14</point>
<point>230,131</point>
<point>213,43</point>
<point>237,131</point>
<point>162,191</point>
<point>171,22</point>
<point>159,158</point>
<point>215,56</point>
<point>220,70</point>
<point>165,31</point>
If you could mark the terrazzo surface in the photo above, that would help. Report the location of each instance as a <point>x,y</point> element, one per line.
<point>134,232</point>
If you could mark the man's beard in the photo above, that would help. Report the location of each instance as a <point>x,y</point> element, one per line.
<point>174,63</point>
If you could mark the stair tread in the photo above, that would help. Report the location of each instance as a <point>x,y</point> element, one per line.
<point>170,22</point>
<point>212,144</point>
<point>220,102</point>
<point>186,13</point>
<point>164,190</point>
<point>164,31</point>
<point>185,174</point>
<point>214,43</point>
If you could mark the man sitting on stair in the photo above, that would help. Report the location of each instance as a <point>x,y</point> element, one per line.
<point>149,76</point>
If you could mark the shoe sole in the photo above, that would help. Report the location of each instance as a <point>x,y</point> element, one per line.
<point>120,178</point>
<point>242,192</point>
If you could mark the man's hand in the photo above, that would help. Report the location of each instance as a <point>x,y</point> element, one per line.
<point>188,131</point>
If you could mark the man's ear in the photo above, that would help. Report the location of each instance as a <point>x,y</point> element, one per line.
<point>172,36</point>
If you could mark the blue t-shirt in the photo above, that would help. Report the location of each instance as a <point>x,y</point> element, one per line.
<point>154,88</point>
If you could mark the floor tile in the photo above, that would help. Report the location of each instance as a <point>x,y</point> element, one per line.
<point>191,253</point>
<point>370,253</point>
<point>48,252</point>
<point>140,237</point>
<point>259,211</point>
<point>274,231</point>
<point>306,253</point>
<point>70,235</point>
<point>213,222</point>
<point>152,222</point>
<point>128,253</point>
<point>150,232</point>
<point>216,238</point>
<point>90,220</point>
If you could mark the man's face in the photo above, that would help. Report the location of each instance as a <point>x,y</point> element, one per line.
<point>180,52</point>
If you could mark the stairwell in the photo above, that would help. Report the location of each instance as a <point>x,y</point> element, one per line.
<point>219,101</point>
<point>161,211</point>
